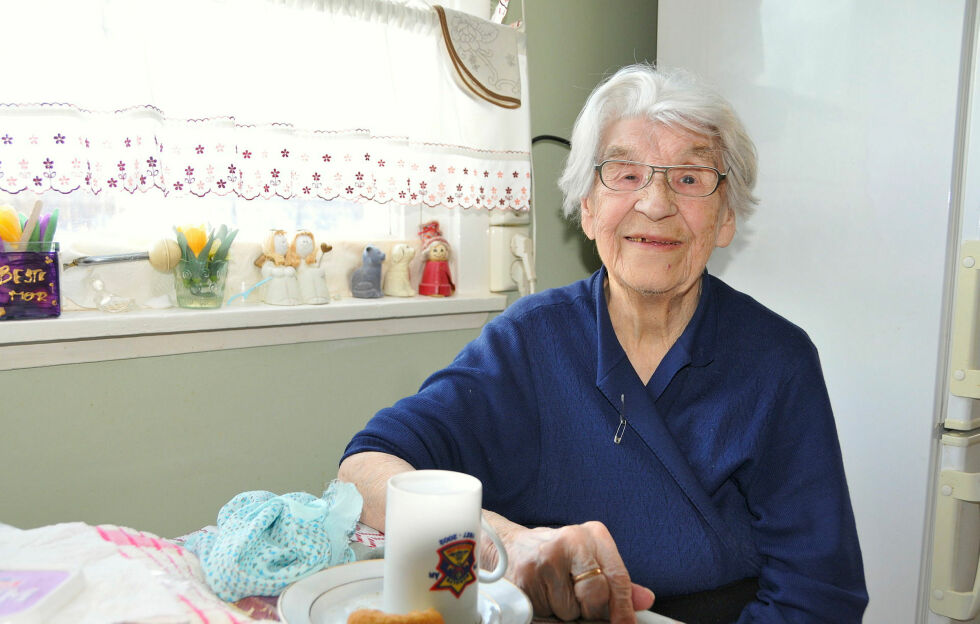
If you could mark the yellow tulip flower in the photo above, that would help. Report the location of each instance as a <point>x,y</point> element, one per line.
<point>196,236</point>
<point>9,224</point>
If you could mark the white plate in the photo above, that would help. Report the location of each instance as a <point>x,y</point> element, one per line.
<point>331,595</point>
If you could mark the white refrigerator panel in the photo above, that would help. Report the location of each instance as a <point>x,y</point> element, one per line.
<point>853,107</point>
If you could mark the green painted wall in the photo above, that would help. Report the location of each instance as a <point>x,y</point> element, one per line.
<point>160,443</point>
<point>572,44</point>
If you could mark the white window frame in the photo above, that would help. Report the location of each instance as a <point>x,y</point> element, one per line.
<point>93,336</point>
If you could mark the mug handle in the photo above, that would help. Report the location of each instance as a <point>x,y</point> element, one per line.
<point>498,572</point>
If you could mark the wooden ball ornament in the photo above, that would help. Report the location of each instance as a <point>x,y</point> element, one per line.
<point>165,255</point>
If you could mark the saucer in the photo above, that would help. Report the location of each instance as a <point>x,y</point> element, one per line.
<point>331,595</point>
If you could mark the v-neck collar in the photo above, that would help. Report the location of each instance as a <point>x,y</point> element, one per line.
<point>695,345</point>
<point>640,418</point>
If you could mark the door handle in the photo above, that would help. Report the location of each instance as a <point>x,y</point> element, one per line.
<point>955,489</point>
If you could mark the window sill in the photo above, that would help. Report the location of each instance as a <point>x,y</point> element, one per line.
<point>92,336</point>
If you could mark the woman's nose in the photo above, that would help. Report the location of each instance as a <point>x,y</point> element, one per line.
<point>655,200</point>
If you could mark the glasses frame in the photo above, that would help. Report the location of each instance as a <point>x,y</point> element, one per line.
<point>665,169</point>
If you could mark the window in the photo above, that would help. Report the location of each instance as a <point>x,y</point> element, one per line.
<point>344,117</point>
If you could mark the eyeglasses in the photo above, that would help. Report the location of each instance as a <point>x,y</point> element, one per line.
<point>687,180</point>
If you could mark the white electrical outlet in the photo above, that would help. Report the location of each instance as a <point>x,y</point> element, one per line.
<point>502,257</point>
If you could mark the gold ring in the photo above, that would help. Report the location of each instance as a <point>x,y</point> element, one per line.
<point>586,575</point>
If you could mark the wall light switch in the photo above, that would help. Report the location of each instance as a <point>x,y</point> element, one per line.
<point>502,257</point>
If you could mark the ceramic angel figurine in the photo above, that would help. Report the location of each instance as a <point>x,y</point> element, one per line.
<point>309,273</point>
<point>282,287</point>
<point>365,283</point>
<point>436,278</point>
<point>396,280</point>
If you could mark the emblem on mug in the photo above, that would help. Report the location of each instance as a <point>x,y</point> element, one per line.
<point>457,564</point>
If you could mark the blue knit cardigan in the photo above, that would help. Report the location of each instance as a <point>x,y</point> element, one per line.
<point>729,465</point>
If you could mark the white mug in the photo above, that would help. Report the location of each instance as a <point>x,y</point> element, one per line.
<point>432,537</point>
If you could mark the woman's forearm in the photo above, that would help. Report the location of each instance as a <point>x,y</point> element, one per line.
<point>369,472</point>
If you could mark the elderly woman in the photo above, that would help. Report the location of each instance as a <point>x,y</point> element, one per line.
<point>647,428</point>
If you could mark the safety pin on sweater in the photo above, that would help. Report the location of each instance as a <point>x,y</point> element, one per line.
<point>621,429</point>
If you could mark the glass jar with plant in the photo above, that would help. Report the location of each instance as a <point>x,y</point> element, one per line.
<point>201,272</point>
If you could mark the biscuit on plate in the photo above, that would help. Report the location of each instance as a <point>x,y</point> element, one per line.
<point>374,616</point>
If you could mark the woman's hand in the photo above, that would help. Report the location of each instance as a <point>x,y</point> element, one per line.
<point>543,563</point>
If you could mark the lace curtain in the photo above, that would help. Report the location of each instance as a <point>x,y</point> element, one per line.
<point>258,99</point>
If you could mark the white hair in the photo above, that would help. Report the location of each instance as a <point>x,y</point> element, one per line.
<point>675,98</point>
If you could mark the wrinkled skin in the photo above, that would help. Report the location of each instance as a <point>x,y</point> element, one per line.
<point>542,562</point>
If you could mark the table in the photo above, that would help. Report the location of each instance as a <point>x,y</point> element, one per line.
<point>130,575</point>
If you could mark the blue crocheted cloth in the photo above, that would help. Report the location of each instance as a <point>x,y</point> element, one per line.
<point>264,542</point>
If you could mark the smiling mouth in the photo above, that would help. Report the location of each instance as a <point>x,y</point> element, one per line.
<point>652,241</point>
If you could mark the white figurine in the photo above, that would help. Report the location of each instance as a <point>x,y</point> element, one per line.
<point>282,287</point>
<point>396,280</point>
<point>311,276</point>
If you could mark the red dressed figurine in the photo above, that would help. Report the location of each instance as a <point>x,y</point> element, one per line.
<point>436,278</point>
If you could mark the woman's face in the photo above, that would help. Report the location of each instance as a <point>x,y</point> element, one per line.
<point>653,241</point>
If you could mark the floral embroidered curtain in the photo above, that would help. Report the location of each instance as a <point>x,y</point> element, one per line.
<point>257,99</point>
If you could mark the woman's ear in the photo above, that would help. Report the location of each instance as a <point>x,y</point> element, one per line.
<point>726,228</point>
<point>587,217</point>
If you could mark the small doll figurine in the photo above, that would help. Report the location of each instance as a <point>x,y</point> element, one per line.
<point>274,248</point>
<point>311,276</point>
<point>282,287</point>
<point>365,283</point>
<point>436,278</point>
<point>396,280</point>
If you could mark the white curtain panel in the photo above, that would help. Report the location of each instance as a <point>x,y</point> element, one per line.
<point>350,99</point>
